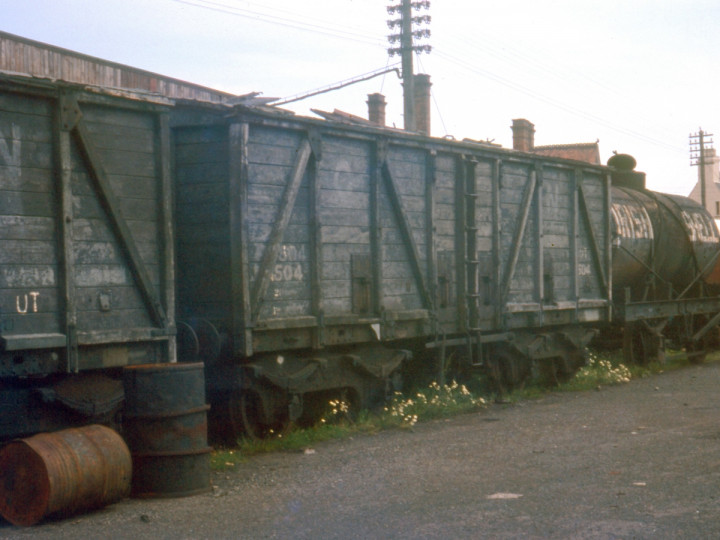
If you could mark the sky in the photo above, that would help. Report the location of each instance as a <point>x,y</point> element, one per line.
<point>639,76</point>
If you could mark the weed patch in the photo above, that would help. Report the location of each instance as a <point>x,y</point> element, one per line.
<point>434,401</point>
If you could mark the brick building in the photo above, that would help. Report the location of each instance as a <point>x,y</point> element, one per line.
<point>524,141</point>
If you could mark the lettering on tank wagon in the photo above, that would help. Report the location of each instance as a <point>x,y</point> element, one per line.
<point>289,267</point>
<point>10,149</point>
<point>632,221</point>
<point>700,229</point>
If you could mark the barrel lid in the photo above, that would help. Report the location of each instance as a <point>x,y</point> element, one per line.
<point>24,484</point>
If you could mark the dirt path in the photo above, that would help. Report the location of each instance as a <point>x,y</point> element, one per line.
<point>641,460</point>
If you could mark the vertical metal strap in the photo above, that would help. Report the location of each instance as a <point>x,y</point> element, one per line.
<point>316,255</point>
<point>65,121</point>
<point>238,135</point>
<point>168,234</point>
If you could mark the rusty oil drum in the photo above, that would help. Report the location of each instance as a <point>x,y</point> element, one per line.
<point>165,426</point>
<point>63,473</point>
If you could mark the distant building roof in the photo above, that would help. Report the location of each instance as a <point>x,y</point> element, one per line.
<point>342,117</point>
<point>587,152</point>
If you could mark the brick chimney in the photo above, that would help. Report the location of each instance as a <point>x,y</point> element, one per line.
<point>422,104</point>
<point>523,135</point>
<point>376,109</point>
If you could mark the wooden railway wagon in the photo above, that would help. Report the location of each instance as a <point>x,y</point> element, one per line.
<point>317,257</point>
<point>86,249</point>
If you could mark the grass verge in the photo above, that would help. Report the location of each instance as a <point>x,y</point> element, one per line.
<point>436,401</point>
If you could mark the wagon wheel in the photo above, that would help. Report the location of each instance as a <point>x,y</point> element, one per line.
<point>246,417</point>
<point>561,369</point>
<point>696,352</point>
<point>642,344</point>
<point>507,368</point>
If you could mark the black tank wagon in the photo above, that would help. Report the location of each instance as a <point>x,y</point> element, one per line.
<point>666,269</point>
<point>316,257</point>
<point>86,251</point>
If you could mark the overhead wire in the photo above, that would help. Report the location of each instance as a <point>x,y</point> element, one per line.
<point>553,102</point>
<point>529,63</point>
<point>331,29</point>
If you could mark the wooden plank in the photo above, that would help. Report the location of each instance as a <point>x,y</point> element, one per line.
<point>197,135</point>
<point>351,200</point>
<point>334,146</point>
<point>17,103</point>
<point>115,137</point>
<point>100,117</point>
<point>271,137</point>
<point>23,203</point>
<point>130,187</point>
<point>347,181</point>
<point>280,224</point>
<point>201,173</point>
<point>98,230</point>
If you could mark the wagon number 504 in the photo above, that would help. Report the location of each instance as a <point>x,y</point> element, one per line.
<point>287,272</point>
<point>288,269</point>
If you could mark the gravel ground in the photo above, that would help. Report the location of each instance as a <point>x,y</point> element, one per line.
<point>640,460</point>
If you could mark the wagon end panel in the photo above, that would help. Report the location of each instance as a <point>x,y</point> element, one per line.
<point>202,217</point>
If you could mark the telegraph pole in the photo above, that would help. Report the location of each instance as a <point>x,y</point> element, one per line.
<point>406,50</point>
<point>698,147</point>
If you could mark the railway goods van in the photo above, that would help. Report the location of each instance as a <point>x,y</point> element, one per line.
<point>86,250</point>
<point>317,257</point>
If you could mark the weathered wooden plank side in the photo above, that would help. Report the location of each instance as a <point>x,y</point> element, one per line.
<point>362,220</point>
